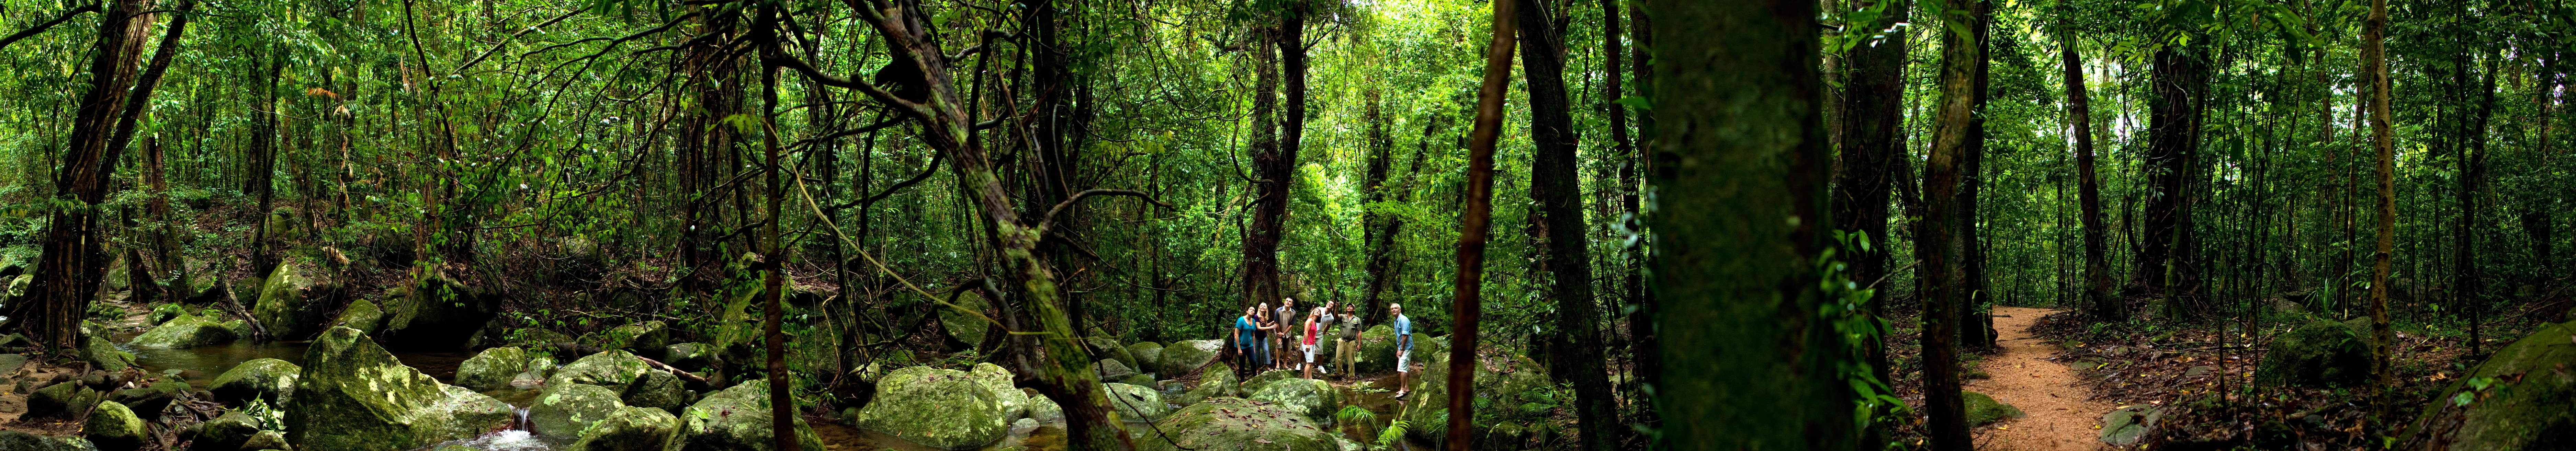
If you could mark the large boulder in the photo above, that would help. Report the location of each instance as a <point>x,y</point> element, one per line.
<point>362,315</point>
<point>1043,409</point>
<point>1520,386</point>
<point>492,369</point>
<point>1112,369</point>
<point>1315,399</point>
<point>185,331</point>
<point>269,379</point>
<point>659,390</point>
<point>2523,397</point>
<point>99,351</point>
<point>630,429</point>
<point>148,401</point>
<point>114,428</point>
<point>2318,354</point>
<point>1185,356</point>
<point>1234,424</point>
<point>1265,378</point>
<point>1217,382</point>
<point>1108,348</point>
<point>688,356</point>
<point>612,368</point>
<point>564,410</point>
<point>964,328</point>
<point>1377,349</point>
<point>736,419</point>
<point>225,432</point>
<point>1136,402</point>
<point>1013,402</point>
<point>946,409</point>
<point>1149,355</point>
<point>352,395</point>
<point>289,300</point>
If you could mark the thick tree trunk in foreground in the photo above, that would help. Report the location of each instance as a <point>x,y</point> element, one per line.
<point>74,253</point>
<point>1741,172</point>
<point>1474,224</point>
<point>2180,76</point>
<point>1941,281</point>
<point>1556,187</point>
<point>1270,171</point>
<point>2079,121</point>
<point>2374,55</point>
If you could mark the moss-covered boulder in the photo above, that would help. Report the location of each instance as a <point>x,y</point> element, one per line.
<point>964,328</point>
<point>185,331</point>
<point>630,429</point>
<point>1149,355</point>
<point>1315,399</point>
<point>289,301</point>
<point>148,401</point>
<point>61,400</point>
<point>113,427</point>
<point>266,440</point>
<point>99,351</point>
<point>2523,397</point>
<point>611,368</point>
<point>658,389</point>
<point>539,369</point>
<point>736,419</point>
<point>22,441</point>
<point>165,312</point>
<point>1217,382</point>
<point>1983,409</point>
<point>492,368</point>
<point>1112,369</point>
<point>649,337</point>
<point>564,410</point>
<point>688,356</point>
<point>1043,409</point>
<point>1377,349</point>
<point>2126,427</point>
<point>1524,383</point>
<point>1265,378</point>
<point>269,379</point>
<point>362,315</point>
<point>441,313</point>
<point>352,395</point>
<point>2318,354</point>
<point>1185,356</point>
<point>1234,424</point>
<point>1108,348</point>
<point>938,408</point>
<point>1013,402</point>
<point>226,432</point>
<point>1136,402</point>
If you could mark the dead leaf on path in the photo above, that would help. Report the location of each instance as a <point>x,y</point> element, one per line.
<point>1261,440</point>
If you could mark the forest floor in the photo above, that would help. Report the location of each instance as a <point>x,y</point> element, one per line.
<point>2063,412</point>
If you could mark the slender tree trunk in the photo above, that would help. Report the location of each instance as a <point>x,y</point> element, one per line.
<point>2374,55</point>
<point>1641,321</point>
<point>2079,122</point>
<point>1942,283</point>
<point>1474,224</point>
<point>1381,227</point>
<point>263,164</point>
<point>74,251</point>
<point>1556,186</point>
<point>2471,289</point>
<point>1976,326</point>
<point>773,261</point>
<point>1744,211</point>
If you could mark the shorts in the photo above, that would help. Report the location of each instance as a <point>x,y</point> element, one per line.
<point>1404,361</point>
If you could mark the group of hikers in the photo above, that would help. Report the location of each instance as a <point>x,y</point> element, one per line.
<point>1262,337</point>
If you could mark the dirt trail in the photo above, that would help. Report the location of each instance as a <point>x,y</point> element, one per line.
<point>2061,417</point>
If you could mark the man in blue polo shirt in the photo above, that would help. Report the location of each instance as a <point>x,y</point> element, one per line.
<point>1403,350</point>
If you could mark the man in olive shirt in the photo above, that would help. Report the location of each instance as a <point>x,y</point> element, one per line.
<point>1346,355</point>
<point>1281,346</point>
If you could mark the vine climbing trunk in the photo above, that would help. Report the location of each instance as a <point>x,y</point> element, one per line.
<point>75,251</point>
<point>1874,145</point>
<point>1741,167</point>
<point>1270,180</point>
<point>1474,224</point>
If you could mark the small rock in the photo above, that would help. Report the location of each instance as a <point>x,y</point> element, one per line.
<point>2123,428</point>
<point>114,428</point>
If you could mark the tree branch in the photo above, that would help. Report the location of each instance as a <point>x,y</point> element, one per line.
<point>49,24</point>
<point>1048,221</point>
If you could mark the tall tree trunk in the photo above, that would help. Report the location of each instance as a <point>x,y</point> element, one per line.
<point>1381,227</point>
<point>773,261</point>
<point>1270,179</point>
<point>1873,120</point>
<point>2172,137</point>
<point>2471,293</point>
<point>1556,186</point>
<point>1976,327</point>
<point>263,161</point>
<point>2374,55</point>
<point>1641,321</point>
<point>1474,224</point>
<point>1941,277</point>
<point>1741,177</point>
<point>2079,122</point>
<point>74,252</point>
